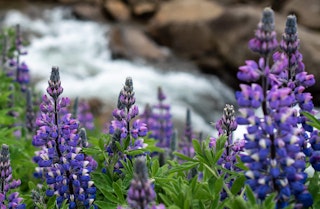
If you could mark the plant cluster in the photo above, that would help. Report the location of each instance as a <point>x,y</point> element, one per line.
<point>61,160</point>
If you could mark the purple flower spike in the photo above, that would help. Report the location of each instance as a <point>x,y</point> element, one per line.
<point>159,121</point>
<point>186,142</point>
<point>84,115</point>
<point>17,69</point>
<point>8,200</point>
<point>225,126</point>
<point>277,141</point>
<point>124,126</point>
<point>249,72</point>
<point>141,194</point>
<point>265,41</point>
<point>30,115</point>
<point>54,89</point>
<point>60,160</point>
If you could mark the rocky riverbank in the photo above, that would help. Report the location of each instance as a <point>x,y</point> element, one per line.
<point>212,34</point>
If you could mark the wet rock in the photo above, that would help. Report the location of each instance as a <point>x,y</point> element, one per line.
<point>131,43</point>
<point>184,26</point>
<point>117,10</point>
<point>87,12</point>
<point>307,11</point>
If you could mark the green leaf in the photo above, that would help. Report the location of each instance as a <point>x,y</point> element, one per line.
<point>183,167</point>
<point>196,146</point>
<point>165,199</point>
<point>269,202</point>
<point>250,195</point>
<point>218,186</point>
<point>105,205</point>
<point>51,204</point>
<point>184,157</point>
<point>173,207</point>
<point>313,121</point>
<point>119,147</point>
<point>118,191</point>
<point>238,184</point>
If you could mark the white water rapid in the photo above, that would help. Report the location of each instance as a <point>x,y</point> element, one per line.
<point>80,49</point>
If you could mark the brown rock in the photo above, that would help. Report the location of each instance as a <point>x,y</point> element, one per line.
<point>233,30</point>
<point>307,11</point>
<point>184,25</point>
<point>96,2</point>
<point>131,43</point>
<point>87,12</point>
<point>143,7</point>
<point>117,10</point>
<point>310,49</point>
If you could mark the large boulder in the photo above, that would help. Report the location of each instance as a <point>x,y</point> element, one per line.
<point>117,10</point>
<point>184,26</point>
<point>235,28</point>
<point>307,11</point>
<point>219,44</point>
<point>132,43</point>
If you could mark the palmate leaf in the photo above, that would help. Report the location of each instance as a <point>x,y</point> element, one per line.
<point>117,187</point>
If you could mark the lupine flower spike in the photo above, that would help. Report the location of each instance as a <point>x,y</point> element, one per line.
<point>274,140</point>
<point>60,160</point>
<point>30,115</point>
<point>7,199</point>
<point>186,142</point>
<point>141,194</point>
<point>81,111</point>
<point>123,127</point>
<point>226,126</point>
<point>163,127</point>
<point>20,69</point>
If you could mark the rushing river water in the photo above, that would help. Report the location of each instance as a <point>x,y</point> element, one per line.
<point>80,49</point>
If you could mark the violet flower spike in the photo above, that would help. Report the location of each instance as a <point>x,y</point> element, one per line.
<point>8,200</point>
<point>161,126</point>
<point>141,194</point>
<point>186,143</point>
<point>274,146</point>
<point>265,41</point>
<point>30,115</point>
<point>225,126</point>
<point>124,126</point>
<point>60,160</point>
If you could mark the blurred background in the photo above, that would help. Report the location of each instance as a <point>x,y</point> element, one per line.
<point>191,48</point>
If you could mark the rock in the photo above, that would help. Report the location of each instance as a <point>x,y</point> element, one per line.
<point>143,7</point>
<point>87,12</point>
<point>184,26</point>
<point>307,11</point>
<point>117,10</point>
<point>231,33</point>
<point>96,2</point>
<point>132,43</point>
<point>310,49</point>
